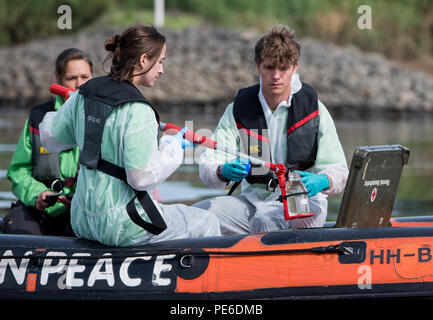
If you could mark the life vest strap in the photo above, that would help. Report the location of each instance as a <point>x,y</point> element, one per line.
<point>157,224</point>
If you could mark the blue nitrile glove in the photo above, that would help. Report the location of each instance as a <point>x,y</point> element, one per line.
<point>314,182</point>
<point>183,142</point>
<point>236,170</point>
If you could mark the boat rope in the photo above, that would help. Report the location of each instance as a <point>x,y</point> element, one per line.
<point>339,249</point>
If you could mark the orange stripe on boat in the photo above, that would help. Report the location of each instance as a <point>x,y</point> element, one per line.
<point>31,282</point>
<point>390,260</point>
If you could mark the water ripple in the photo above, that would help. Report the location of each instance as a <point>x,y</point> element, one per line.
<point>7,147</point>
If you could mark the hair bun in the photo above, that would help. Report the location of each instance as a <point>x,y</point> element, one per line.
<point>112,43</point>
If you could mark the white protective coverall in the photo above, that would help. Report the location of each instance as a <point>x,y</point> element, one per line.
<point>130,141</point>
<point>256,209</point>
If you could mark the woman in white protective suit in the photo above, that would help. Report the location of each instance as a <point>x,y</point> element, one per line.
<point>116,130</point>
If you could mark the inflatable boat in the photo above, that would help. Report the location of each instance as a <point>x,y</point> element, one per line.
<point>322,263</point>
<point>365,253</point>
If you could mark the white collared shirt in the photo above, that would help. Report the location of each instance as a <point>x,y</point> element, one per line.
<point>276,121</point>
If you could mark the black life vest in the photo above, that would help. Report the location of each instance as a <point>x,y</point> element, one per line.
<point>302,130</point>
<point>46,164</point>
<point>101,96</point>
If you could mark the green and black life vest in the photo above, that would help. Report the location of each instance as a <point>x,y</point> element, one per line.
<point>101,96</point>
<point>46,164</point>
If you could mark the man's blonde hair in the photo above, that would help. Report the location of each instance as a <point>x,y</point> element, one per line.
<point>280,46</point>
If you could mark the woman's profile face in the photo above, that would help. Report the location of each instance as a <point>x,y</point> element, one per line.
<point>148,79</point>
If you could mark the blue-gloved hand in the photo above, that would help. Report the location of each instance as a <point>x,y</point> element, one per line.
<point>236,170</point>
<point>183,142</point>
<point>314,182</point>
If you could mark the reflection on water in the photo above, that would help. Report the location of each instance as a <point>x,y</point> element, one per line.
<point>415,194</point>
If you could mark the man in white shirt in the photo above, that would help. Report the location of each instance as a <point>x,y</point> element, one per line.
<point>280,120</point>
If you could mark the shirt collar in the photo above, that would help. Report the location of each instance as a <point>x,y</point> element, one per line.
<point>58,102</point>
<point>295,86</point>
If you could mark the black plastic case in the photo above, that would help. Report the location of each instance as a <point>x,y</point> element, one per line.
<point>372,185</point>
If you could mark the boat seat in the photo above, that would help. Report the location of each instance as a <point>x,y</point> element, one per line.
<point>372,185</point>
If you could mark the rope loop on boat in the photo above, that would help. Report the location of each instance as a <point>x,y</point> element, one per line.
<point>186,256</point>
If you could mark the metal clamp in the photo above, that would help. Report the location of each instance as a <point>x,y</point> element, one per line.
<point>271,186</point>
<point>57,186</point>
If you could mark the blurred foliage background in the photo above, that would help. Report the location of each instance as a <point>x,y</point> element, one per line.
<point>402,30</point>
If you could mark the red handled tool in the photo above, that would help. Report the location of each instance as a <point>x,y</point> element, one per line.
<point>61,90</point>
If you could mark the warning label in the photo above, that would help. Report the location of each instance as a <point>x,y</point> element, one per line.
<point>377,183</point>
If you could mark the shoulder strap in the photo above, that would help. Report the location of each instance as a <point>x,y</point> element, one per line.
<point>247,110</point>
<point>302,129</point>
<point>251,123</point>
<point>38,113</point>
<point>305,107</point>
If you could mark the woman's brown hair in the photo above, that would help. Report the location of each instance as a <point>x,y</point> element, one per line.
<point>126,48</point>
<point>280,46</point>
